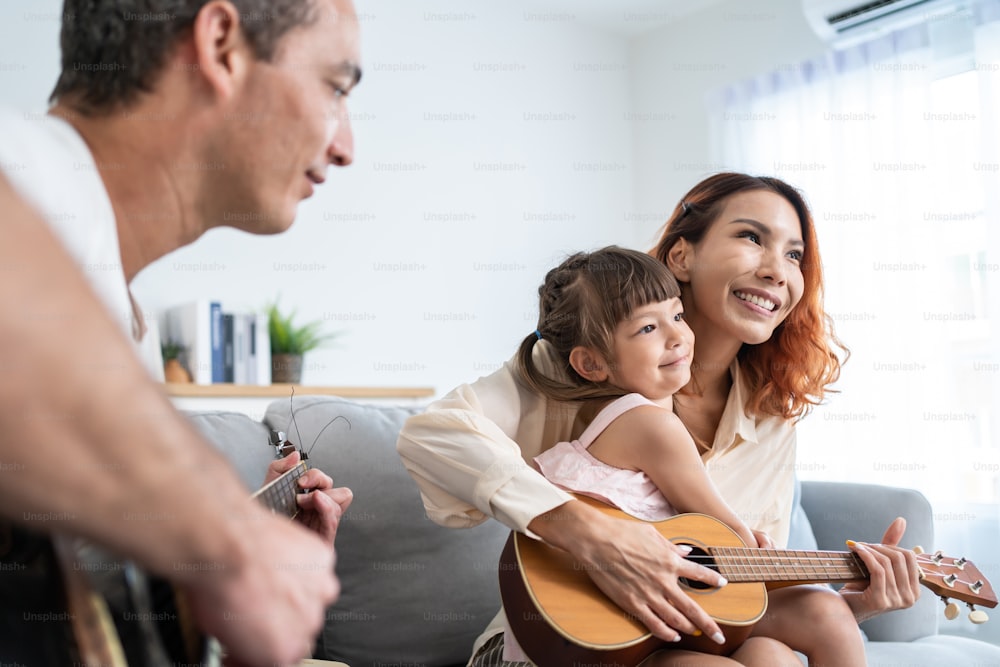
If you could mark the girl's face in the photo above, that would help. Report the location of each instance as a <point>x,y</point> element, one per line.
<point>744,276</point>
<point>653,349</point>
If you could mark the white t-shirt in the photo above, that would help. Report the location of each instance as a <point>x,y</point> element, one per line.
<point>48,162</point>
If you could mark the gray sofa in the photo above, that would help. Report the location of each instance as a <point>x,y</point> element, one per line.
<point>416,594</point>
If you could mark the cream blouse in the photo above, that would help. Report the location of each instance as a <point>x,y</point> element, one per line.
<point>469,453</point>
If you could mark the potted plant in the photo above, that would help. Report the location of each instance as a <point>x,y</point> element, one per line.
<point>173,369</point>
<point>290,342</point>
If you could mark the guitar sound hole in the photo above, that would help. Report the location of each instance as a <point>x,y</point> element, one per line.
<point>701,557</point>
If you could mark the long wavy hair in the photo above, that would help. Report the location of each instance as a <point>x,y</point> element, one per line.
<point>791,372</point>
<point>581,303</point>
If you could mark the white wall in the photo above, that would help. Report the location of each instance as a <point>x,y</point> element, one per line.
<point>674,71</point>
<point>490,142</point>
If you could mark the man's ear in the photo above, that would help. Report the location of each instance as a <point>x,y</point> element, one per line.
<point>588,364</point>
<point>680,258</point>
<point>222,52</point>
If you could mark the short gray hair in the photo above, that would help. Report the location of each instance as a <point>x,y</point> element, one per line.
<point>112,50</point>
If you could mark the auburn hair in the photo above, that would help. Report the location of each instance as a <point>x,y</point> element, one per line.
<point>791,372</point>
<point>581,303</point>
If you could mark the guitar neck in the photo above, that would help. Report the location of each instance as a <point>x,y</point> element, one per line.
<point>279,495</point>
<point>741,564</point>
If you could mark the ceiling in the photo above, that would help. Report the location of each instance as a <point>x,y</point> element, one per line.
<point>625,17</point>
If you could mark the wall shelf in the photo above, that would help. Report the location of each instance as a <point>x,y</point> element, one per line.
<point>252,400</point>
<point>224,390</point>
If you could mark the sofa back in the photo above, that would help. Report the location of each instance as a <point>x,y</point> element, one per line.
<point>414,593</point>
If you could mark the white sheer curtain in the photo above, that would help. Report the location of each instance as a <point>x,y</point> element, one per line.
<point>896,145</point>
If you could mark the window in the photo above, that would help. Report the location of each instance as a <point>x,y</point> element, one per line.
<point>899,158</point>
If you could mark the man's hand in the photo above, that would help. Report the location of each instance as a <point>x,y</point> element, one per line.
<point>322,509</point>
<point>894,581</point>
<point>269,607</point>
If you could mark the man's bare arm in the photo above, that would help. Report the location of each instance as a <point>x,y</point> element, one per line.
<point>90,446</point>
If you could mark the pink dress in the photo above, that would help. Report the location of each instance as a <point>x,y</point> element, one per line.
<point>569,465</point>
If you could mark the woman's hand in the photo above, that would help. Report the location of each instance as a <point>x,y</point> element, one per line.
<point>764,540</point>
<point>635,566</point>
<point>894,581</point>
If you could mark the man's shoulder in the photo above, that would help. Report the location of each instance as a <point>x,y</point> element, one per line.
<point>48,163</point>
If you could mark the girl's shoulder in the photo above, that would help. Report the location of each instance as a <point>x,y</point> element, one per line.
<point>646,430</point>
<point>639,416</point>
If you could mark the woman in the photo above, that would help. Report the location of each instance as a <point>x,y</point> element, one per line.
<point>745,253</point>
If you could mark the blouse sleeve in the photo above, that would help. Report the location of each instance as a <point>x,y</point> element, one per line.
<point>468,453</point>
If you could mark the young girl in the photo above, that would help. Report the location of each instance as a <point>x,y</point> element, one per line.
<point>614,320</point>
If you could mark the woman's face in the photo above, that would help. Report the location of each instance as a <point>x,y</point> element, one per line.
<point>744,275</point>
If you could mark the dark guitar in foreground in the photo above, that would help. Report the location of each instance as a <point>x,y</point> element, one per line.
<point>112,614</point>
<point>560,617</point>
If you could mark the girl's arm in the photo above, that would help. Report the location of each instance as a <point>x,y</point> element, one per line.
<point>655,441</point>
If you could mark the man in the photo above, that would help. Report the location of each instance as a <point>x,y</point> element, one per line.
<point>109,182</point>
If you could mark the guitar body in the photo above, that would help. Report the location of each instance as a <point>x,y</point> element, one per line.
<point>561,618</point>
<point>122,617</point>
<point>64,601</point>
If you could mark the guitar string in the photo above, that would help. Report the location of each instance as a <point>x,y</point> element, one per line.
<point>813,558</point>
<point>809,562</point>
<point>744,562</point>
<point>292,412</point>
<point>281,495</point>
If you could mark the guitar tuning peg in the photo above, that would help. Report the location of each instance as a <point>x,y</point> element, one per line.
<point>938,557</point>
<point>960,563</point>
<point>918,549</point>
<point>950,579</point>
<point>950,610</point>
<point>978,616</point>
<point>976,587</point>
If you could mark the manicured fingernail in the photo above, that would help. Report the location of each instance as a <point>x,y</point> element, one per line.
<point>722,581</point>
<point>676,639</point>
<point>851,543</point>
<point>718,638</point>
<point>685,548</point>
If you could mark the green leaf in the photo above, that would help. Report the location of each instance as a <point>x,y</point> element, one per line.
<point>288,338</point>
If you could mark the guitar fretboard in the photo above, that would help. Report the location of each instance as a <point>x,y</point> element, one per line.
<point>740,564</point>
<point>279,495</point>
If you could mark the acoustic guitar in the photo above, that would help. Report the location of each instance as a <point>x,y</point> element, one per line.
<point>560,617</point>
<point>113,614</point>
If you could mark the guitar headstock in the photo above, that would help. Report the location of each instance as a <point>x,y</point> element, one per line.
<point>956,578</point>
<point>283,446</point>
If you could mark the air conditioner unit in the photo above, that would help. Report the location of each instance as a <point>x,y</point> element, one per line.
<point>846,22</point>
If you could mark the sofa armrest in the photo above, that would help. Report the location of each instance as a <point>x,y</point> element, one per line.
<point>840,511</point>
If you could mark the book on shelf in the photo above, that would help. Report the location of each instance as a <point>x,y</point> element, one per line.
<point>218,355</point>
<point>190,325</point>
<point>228,348</point>
<point>220,346</point>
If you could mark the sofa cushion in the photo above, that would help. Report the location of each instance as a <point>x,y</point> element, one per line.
<point>861,512</point>
<point>414,592</point>
<point>800,532</point>
<point>242,440</point>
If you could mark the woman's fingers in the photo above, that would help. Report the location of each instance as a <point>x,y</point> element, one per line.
<point>643,581</point>
<point>893,577</point>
